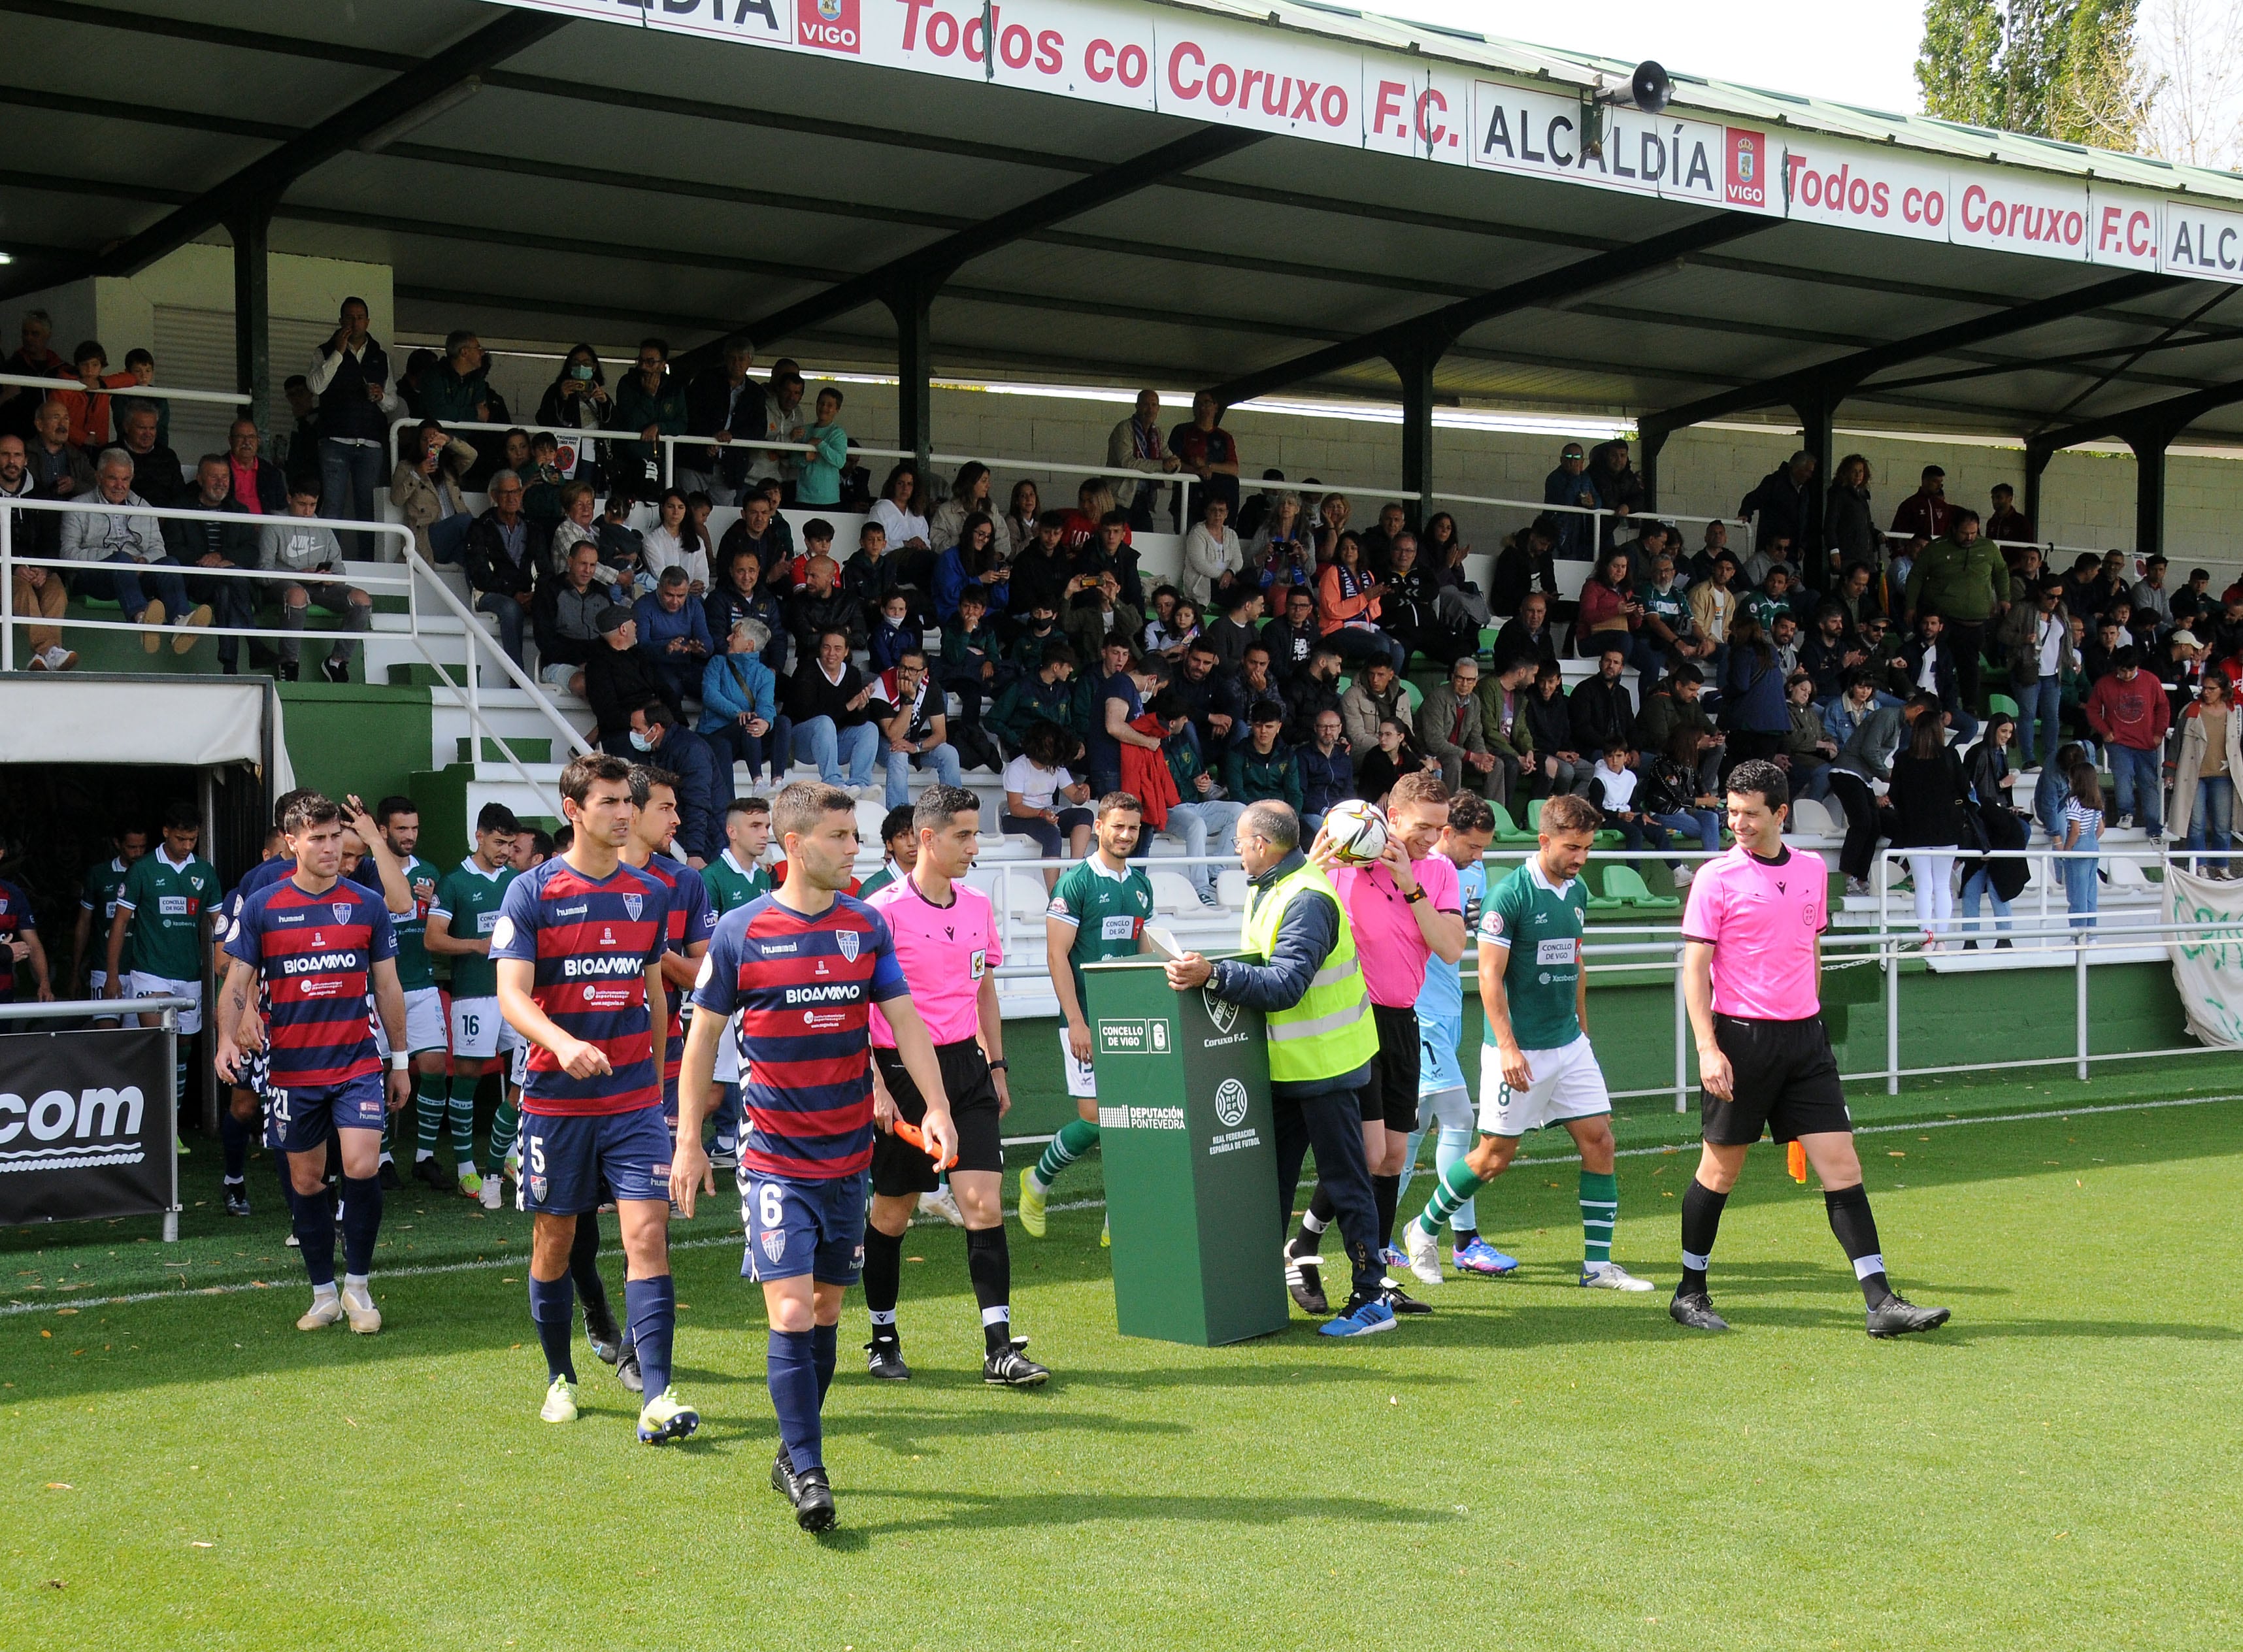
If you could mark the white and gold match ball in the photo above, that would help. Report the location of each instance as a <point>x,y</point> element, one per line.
<point>1356,832</point>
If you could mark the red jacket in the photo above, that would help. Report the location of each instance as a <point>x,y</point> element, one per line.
<point>2133,714</point>
<point>1921,514</point>
<point>1145,773</point>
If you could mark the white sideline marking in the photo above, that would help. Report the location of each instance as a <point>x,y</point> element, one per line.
<point>185,1291</point>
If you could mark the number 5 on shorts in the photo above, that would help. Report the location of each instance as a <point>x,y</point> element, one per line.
<point>537,1156</point>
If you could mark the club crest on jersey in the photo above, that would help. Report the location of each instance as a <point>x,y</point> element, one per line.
<point>633,905</point>
<point>341,909</point>
<point>1223,1014</point>
<point>846,941</point>
<point>773,1241</point>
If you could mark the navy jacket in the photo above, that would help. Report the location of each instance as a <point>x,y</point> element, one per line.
<point>1306,936</point>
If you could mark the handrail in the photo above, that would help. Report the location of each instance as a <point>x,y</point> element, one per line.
<point>125,392</point>
<point>521,679</point>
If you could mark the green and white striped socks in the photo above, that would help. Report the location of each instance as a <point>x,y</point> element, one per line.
<point>1458,1184</point>
<point>427,1111</point>
<point>463,1123</point>
<point>1599,1212</point>
<point>503,1125</point>
<point>1078,1137</point>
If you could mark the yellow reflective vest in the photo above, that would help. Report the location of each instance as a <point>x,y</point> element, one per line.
<point>1330,1032</point>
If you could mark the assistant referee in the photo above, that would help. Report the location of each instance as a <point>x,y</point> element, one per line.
<point>1751,964</point>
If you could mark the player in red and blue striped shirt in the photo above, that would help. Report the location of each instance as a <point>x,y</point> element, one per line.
<point>803,968</point>
<point>579,944</point>
<point>319,946</point>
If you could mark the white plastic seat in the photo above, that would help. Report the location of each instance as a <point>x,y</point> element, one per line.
<point>1810,816</point>
<point>1173,892</point>
<point>1231,888</point>
<point>2126,873</point>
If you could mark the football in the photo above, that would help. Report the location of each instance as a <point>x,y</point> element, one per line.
<point>1356,832</point>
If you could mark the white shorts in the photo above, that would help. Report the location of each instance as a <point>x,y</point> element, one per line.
<point>139,985</point>
<point>478,1032</point>
<point>1081,1081</point>
<point>517,1069</point>
<point>424,1023</point>
<point>728,1058</point>
<point>1568,1083</point>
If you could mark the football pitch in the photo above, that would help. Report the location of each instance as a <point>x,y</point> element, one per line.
<point>1533,1466</point>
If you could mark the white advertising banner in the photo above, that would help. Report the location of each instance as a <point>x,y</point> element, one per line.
<point>1237,72</point>
<point>2207,964</point>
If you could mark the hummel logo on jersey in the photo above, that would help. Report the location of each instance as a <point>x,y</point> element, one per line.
<point>632,905</point>
<point>574,966</point>
<point>573,912</point>
<point>846,939</point>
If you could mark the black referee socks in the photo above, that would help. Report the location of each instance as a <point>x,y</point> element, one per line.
<point>1857,1231</point>
<point>1702,1221</point>
<point>884,1277</point>
<point>989,1264</point>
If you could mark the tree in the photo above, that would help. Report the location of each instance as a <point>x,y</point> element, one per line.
<point>2061,69</point>
<point>2194,56</point>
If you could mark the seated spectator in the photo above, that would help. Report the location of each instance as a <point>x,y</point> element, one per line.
<point>577,526</point>
<point>651,401</point>
<point>898,510</point>
<point>675,541</point>
<point>1859,594</point>
<point>1831,652</point>
<point>39,592</point>
<point>1888,661</point>
<point>827,701</point>
<point>1376,694</point>
<point>673,635</point>
<point>1392,757</point>
<point>1503,696</point>
<point>1526,564</point>
<point>578,400</point>
<point>1135,444</point>
<point>1044,573</point>
<point>821,605</point>
<point>1281,556</point>
<point>121,536</point>
<point>973,661</point>
<point>1678,798</point>
<point>1292,637</point>
<point>1784,638</point>
<point>1199,819</point>
<point>914,731</point>
<point>1213,560</point>
<point>1611,617</point>
<point>541,482</point>
<point>873,575</point>
<point>1858,696</point>
<point>233,602</point>
<point>1049,694</point>
<point>504,554</point>
<point>1771,596</point>
<point>1310,692</point>
<point>1528,631</point>
<point>1036,628</point>
<point>703,779</point>
<point>739,705</point>
<point>1612,786</point>
<point>1233,631</point>
<point>1449,728</point>
<point>1203,449</point>
<point>1210,698</point>
<point>1715,603</point>
<point>970,496</point>
<point>1327,771</point>
<point>1602,711</point>
<point>155,467</point>
<point>1024,518</point>
<point>55,468</point>
<point>1171,636</point>
<point>971,559</point>
<point>892,633</point>
<point>301,545</point>
<point>1672,722</point>
<point>1348,607</point>
<point>1088,626</point>
<point>759,531</point>
<point>1808,748</point>
<point>566,614</point>
<point>1261,767</point>
<point>1558,767</point>
<point>727,406</point>
<point>1108,551</point>
<point>2193,601</point>
<point>425,489</point>
<point>1044,801</point>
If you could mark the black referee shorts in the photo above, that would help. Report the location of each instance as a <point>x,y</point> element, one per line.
<point>1784,1079</point>
<point>899,1167</point>
<point>1390,1095</point>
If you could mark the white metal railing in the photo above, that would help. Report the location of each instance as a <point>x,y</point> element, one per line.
<point>2043,862</point>
<point>415,573</point>
<point>126,391</point>
<point>2046,546</point>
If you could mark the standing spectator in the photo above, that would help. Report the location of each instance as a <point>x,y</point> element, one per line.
<point>34,357</point>
<point>255,483</point>
<point>1023,519</point>
<point>1213,556</point>
<point>1930,662</point>
<point>2148,593</point>
<point>217,544</point>
<point>2203,779</point>
<point>155,467</point>
<point>673,635</point>
<point>826,701</point>
<point>725,405</point>
<point>1327,771</point>
<point>350,375</point>
<point>2128,712</point>
<point>616,681</point>
<point>426,490</point>
<point>1752,694</point>
<point>2037,638</point>
<point>296,449</point>
<point>652,402</point>
<point>739,705</point>
<point>1206,450</point>
<point>1777,507</point>
<point>458,388</point>
<point>1569,486</point>
<point>299,546</point>
<point>1449,728</point>
<point>1116,703</point>
<point>1848,528</point>
<point>2083,835</point>
<point>1619,491</point>
<point>566,613</point>
<point>783,421</point>
<point>2005,521</point>
<point>121,535</point>
<point>1929,795</point>
<point>1135,444</point>
<point>1963,577</point>
<point>88,406</point>
<point>1926,513</point>
<point>504,554</point>
<point>578,400</point>
<point>818,478</point>
<point>1867,756</point>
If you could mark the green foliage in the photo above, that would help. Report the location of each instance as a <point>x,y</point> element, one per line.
<point>2061,69</point>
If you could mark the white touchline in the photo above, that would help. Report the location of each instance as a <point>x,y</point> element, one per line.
<point>182,1291</point>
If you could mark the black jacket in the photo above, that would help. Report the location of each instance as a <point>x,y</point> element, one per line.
<point>706,414</point>
<point>1549,723</point>
<point>615,680</point>
<point>808,695</point>
<point>191,540</point>
<point>1514,640</point>
<point>1518,570</point>
<point>489,568</point>
<point>1306,699</point>
<point>1942,668</point>
<point>692,759</point>
<point>1602,712</point>
<point>1781,504</point>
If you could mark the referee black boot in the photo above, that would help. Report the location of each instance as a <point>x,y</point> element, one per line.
<point>1305,1279</point>
<point>1896,1317</point>
<point>884,1357</point>
<point>813,1500</point>
<point>1695,1310</point>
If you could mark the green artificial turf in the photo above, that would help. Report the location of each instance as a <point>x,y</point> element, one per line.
<point>1533,1466</point>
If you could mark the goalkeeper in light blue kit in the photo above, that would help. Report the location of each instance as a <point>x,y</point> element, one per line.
<point>1444,1099</point>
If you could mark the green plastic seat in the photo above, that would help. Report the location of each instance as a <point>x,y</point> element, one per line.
<point>1508,829</point>
<point>1624,887</point>
<point>2002,703</point>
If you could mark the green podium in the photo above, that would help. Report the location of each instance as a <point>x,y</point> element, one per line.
<point>1190,1158</point>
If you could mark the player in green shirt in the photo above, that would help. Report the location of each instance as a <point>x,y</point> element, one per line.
<point>167,904</point>
<point>1536,1066</point>
<point>399,819</point>
<point>1098,910</point>
<point>738,875</point>
<point>97,903</point>
<point>899,840</point>
<point>461,920</point>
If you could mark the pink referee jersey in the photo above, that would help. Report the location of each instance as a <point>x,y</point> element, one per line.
<point>1388,942</point>
<point>1761,919</point>
<point>944,952</point>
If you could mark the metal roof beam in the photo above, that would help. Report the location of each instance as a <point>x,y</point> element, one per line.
<point>2154,424</point>
<point>1442,328</point>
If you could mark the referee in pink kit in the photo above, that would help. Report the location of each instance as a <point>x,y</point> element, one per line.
<point>1751,964</point>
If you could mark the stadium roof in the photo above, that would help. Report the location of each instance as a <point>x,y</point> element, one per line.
<point>551,172</point>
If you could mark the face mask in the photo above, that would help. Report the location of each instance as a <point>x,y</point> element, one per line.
<point>582,370</point>
<point>640,742</point>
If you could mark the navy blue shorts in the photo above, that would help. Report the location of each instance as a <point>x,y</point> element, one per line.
<point>566,1158</point>
<point>796,1227</point>
<point>298,1121</point>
